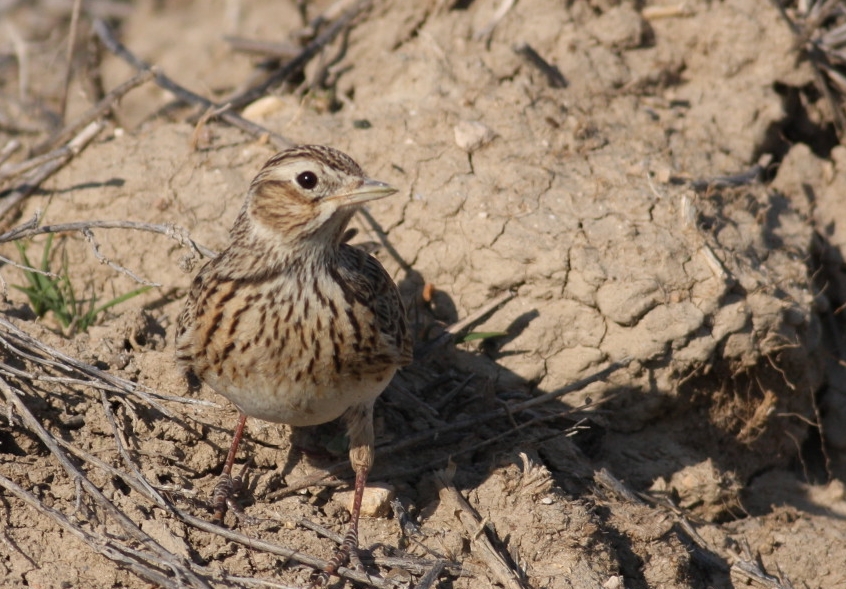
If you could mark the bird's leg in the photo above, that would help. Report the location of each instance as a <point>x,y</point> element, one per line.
<point>350,543</point>
<point>360,424</point>
<point>225,486</point>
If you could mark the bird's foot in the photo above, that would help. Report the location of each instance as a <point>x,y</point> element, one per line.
<point>223,497</point>
<point>348,550</point>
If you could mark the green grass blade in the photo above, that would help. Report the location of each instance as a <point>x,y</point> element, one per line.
<point>477,335</point>
<point>121,298</point>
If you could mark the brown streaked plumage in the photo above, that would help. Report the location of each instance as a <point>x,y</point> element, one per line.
<point>291,324</point>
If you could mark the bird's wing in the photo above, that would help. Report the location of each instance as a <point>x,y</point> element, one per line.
<point>372,287</point>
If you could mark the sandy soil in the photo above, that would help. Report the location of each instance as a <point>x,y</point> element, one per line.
<point>612,201</point>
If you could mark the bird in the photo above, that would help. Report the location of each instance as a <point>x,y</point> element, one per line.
<point>292,324</point>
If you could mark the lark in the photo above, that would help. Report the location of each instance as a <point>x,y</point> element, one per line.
<point>291,323</point>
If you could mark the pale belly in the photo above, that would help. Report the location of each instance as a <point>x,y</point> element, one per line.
<point>273,397</point>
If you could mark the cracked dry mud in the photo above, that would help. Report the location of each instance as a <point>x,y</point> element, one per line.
<point>599,205</point>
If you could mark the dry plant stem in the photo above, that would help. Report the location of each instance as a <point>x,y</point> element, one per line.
<point>101,109</point>
<point>611,483</point>
<point>144,489</point>
<point>456,390</point>
<point>462,425</point>
<point>487,32</point>
<point>40,353</point>
<point>14,264</point>
<point>106,546</point>
<point>100,544</point>
<point>11,147</point>
<point>452,331</point>
<point>331,12</point>
<point>299,62</point>
<point>95,247</point>
<point>19,46</point>
<point>508,434</point>
<point>12,170</point>
<point>834,106</point>
<point>31,228</point>
<point>34,179</point>
<point>431,575</point>
<point>149,491</point>
<point>157,554</point>
<point>265,48</point>
<point>742,565</point>
<point>818,62</point>
<point>469,423</point>
<point>749,569</point>
<point>256,544</point>
<point>77,7</point>
<point>411,565</point>
<point>253,582</point>
<point>211,112</point>
<point>106,35</point>
<point>480,545</point>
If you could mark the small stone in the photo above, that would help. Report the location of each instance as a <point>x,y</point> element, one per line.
<point>264,107</point>
<point>376,501</point>
<point>471,135</point>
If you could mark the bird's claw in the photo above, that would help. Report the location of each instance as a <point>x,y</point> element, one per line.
<point>223,497</point>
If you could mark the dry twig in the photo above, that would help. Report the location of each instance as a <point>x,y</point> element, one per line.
<point>77,8</point>
<point>106,35</point>
<point>175,232</point>
<point>158,559</point>
<point>412,440</point>
<point>22,345</point>
<point>300,61</point>
<point>11,147</point>
<point>480,544</point>
<point>99,110</point>
<point>34,179</point>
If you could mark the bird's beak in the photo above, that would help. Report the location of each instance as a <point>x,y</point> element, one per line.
<point>365,192</point>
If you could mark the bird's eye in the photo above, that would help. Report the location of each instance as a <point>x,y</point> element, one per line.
<point>307,180</point>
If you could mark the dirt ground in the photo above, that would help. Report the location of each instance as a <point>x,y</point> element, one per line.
<point>652,192</point>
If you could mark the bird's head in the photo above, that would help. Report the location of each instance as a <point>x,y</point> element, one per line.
<point>309,193</point>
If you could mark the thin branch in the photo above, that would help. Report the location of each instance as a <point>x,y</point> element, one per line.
<point>106,35</point>
<point>19,46</point>
<point>175,232</point>
<point>211,112</point>
<point>265,48</point>
<point>89,237</point>
<point>56,359</point>
<point>77,7</point>
<point>100,544</point>
<point>299,62</point>
<point>467,424</point>
<point>12,170</point>
<point>150,492</point>
<point>158,554</point>
<point>101,109</point>
<point>34,179</point>
<point>296,555</point>
<point>26,268</point>
<point>11,147</point>
<point>475,530</point>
